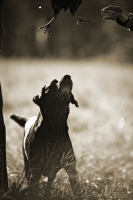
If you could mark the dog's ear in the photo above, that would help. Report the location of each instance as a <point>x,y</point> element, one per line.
<point>37,100</point>
<point>73,101</point>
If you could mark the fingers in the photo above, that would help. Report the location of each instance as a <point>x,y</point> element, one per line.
<point>111,16</point>
<point>113,12</point>
<point>108,18</point>
<point>111,8</point>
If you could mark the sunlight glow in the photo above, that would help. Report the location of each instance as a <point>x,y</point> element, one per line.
<point>99,179</point>
<point>11,175</point>
<point>121,123</point>
<point>91,157</point>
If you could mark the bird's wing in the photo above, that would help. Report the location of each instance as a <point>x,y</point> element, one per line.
<point>55,7</point>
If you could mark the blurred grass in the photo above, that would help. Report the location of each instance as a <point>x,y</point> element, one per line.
<point>101,128</point>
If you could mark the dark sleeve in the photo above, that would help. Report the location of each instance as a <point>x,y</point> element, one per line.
<point>128,24</point>
<point>118,21</point>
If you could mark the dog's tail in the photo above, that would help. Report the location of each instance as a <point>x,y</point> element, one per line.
<point>19,119</point>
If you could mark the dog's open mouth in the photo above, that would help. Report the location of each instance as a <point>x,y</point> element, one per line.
<point>65,84</point>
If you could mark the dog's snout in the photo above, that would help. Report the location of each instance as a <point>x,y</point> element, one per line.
<point>67,76</point>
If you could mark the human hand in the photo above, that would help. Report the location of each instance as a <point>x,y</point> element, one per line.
<point>114,13</point>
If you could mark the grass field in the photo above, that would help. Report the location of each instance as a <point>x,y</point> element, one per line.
<point>101,128</point>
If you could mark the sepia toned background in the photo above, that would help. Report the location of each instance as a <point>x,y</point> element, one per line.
<point>99,58</point>
<point>22,38</point>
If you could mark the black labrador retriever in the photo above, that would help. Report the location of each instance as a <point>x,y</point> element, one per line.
<point>47,146</point>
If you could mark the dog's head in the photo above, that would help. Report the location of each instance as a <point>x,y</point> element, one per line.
<point>55,98</point>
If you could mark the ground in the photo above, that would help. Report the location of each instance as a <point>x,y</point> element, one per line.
<point>101,128</point>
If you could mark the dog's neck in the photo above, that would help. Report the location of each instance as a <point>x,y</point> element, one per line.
<point>55,124</point>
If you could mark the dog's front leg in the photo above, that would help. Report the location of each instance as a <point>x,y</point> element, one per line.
<point>74,179</point>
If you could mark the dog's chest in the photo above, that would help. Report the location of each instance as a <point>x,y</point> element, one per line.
<point>39,137</point>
